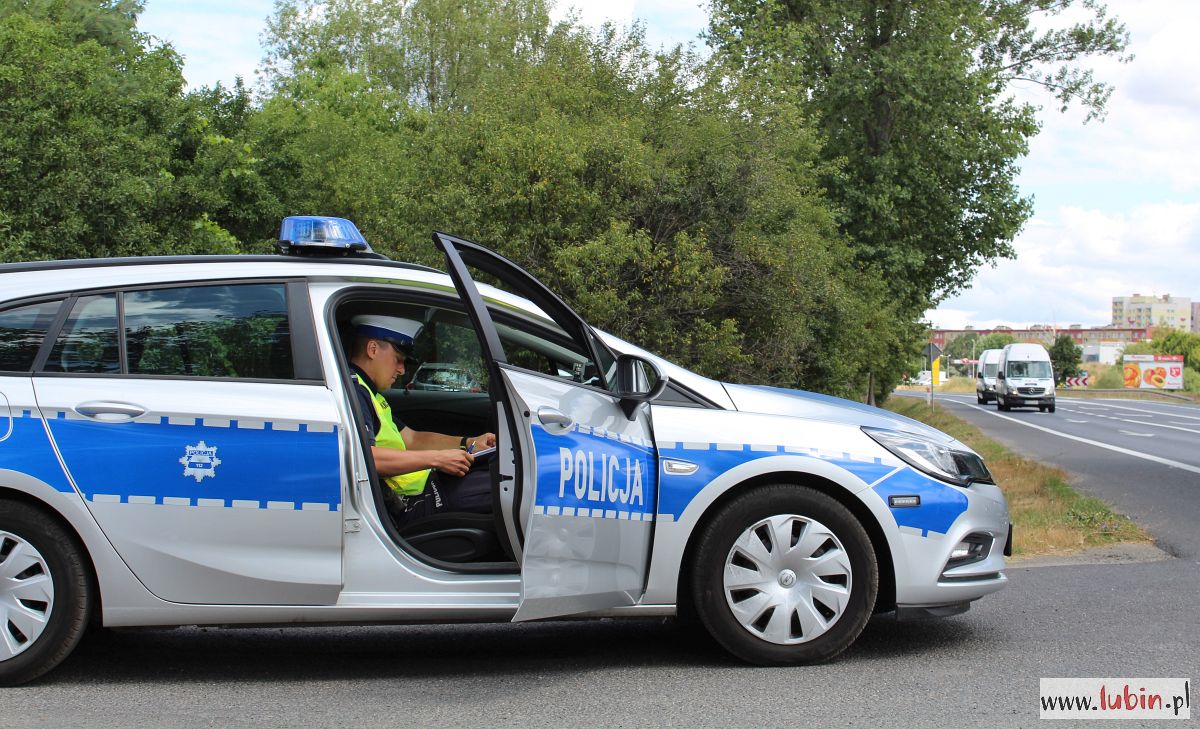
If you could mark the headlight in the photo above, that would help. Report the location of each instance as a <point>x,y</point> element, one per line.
<point>932,457</point>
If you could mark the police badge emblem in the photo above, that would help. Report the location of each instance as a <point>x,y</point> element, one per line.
<point>200,461</point>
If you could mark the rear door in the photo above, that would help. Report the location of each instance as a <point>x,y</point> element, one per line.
<point>578,478</point>
<point>194,422</point>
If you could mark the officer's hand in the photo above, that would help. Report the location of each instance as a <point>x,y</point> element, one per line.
<point>487,440</point>
<point>454,462</point>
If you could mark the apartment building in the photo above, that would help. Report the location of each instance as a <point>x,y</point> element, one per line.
<point>1153,311</point>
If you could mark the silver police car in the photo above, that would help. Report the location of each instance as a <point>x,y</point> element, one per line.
<point>179,446</point>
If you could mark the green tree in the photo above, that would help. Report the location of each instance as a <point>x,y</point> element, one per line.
<point>913,98</point>
<point>996,340</point>
<point>429,52</point>
<point>91,118</point>
<point>1065,357</point>
<point>669,208</point>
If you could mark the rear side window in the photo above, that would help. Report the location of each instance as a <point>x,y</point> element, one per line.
<point>209,331</point>
<point>22,331</point>
<point>88,342</point>
<point>228,331</point>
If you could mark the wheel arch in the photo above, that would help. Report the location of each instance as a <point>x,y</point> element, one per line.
<point>885,600</point>
<point>24,497</point>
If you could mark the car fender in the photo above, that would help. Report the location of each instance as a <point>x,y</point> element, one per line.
<point>673,533</point>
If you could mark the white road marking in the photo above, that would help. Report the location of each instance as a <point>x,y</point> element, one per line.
<point>1139,435</point>
<point>1145,456</point>
<point>1069,420</point>
<point>1152,412</point>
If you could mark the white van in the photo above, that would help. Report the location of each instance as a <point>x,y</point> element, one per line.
<point>985,379</point>
<point>1025,378</point>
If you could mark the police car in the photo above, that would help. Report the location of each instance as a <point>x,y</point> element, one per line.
<point>178,446</point>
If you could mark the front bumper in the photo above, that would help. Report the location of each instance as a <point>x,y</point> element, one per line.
<point>927,579</point>
<point>1018,400</point>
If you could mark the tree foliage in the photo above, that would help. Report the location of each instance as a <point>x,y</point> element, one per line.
<point>642,186</point>
<point>913,98</point>
<point>101,153</point>
<point>781,213</point>
<point>1065,358</point>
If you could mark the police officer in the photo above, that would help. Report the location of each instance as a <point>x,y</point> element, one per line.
<point>405,458</point>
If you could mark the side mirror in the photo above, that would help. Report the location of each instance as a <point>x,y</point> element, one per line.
<point>999,375</point>
<point>979,375</point>
<point>638,380</point>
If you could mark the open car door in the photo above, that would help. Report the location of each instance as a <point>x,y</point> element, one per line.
<point>576,463</point>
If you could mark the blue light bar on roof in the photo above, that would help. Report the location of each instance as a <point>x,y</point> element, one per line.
<point>314,233</point>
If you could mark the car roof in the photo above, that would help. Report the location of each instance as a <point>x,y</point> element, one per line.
<point>50,278</point>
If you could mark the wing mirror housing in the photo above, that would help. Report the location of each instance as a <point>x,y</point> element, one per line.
<point>999,375</point>
<point>638,381</point>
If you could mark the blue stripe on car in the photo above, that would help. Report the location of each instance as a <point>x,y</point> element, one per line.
<point>27,450</point>
<point>280,463</point>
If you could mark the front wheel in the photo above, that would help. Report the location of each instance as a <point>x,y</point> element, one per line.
<point>1001,405</point>
<point>45,598</point>
<point>784,575</point>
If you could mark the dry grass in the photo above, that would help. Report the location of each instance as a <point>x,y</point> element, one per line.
<point>1049,517</point>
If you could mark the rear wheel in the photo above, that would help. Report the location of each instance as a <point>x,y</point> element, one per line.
<point>45,598</point>
<point>784,575</point>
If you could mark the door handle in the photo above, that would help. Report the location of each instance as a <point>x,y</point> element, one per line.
<point>550,416</point>
<point>110,411</point>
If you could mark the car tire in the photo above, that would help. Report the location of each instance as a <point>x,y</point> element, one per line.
<point>980,399</point>
<point>45,593</point>
<point>1000,405</point>
<point>1050,408</point>
<point>770,605</point>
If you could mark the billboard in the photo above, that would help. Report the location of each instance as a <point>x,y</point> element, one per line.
<point>1153,371</point>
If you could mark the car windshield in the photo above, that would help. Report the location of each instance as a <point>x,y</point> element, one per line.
<point>445,376</point>
<point>990,369</point>
<point>1029,369</point>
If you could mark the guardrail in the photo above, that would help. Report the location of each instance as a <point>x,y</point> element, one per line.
<point>1130,391</point>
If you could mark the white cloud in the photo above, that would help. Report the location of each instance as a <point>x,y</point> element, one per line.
<point>1118,202</point>
<point>218,39</point>
<point>596,12</point>
<point>1070,266</point>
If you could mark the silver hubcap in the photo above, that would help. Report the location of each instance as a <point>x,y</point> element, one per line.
<point>26,595</point>
<point>787,579</point>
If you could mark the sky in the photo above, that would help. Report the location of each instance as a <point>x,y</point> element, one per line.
<point>1116,202</point>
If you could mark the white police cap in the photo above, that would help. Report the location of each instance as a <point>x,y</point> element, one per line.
<point>394,329</point>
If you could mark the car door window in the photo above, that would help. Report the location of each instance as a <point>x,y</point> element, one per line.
<point>22,331</point>
<point>546,349</point>
<point>88,342</point>
<point>209,331</point>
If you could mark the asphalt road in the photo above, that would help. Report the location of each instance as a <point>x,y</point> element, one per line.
<point>1143,458</point>
<point>977,669</point>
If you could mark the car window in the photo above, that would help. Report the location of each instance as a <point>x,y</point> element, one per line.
<point>22,331</point>
<point>209,331</point>
<point>448,353</point>
<point>546,349</point>
<point>1029,369</point>
<point>87,343</point>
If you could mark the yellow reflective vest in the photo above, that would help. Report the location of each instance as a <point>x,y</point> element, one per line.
<point>406,484</point>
